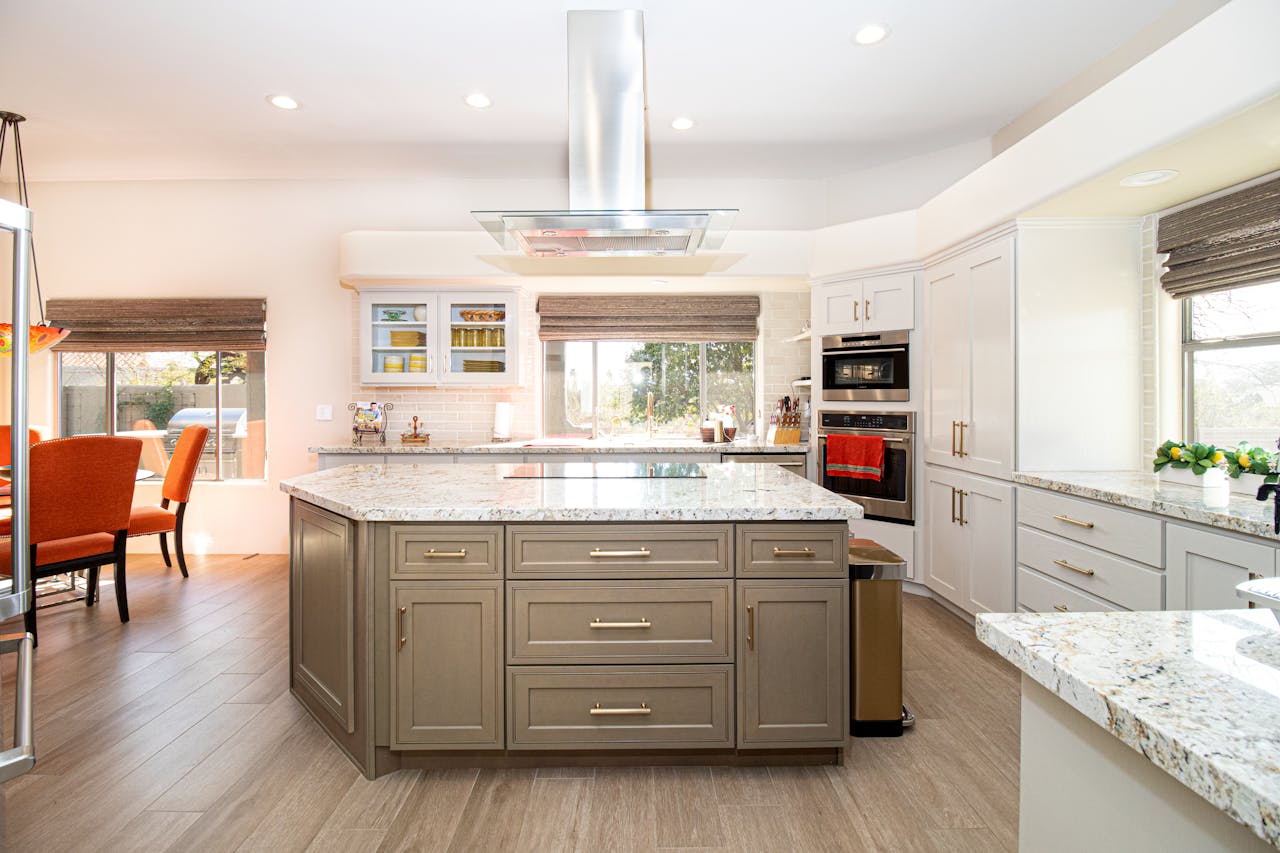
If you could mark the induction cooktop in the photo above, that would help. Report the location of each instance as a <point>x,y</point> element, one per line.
<point>605,471</point>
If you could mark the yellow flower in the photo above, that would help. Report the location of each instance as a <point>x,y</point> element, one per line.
<point>1244,460</point>
<point>1175,452</point>
<point>1218,457</point>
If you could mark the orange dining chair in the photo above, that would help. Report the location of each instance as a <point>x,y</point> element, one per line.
<point>153,456</point>
<point>80,493</point>
<point>6,454</point>
<point>146,520</point>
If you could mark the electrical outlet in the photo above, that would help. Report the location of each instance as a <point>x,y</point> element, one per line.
<point>324,413</point>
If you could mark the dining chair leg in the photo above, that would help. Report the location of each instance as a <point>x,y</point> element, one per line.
<point>164,549</point>
<point>177,540</point>
<point>122,594</point>
<point>91,589</point>
<point>29,618</point>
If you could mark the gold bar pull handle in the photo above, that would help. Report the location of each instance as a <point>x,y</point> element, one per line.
<point>600,554</point>
<point>1087,525</point>
<point>954,518</point>
<point>1061,608</point>
<point>601,625</point>
<point>433,554</point>
<point>954,424</point>
<point>866,315</point>
<point>643,711</point>
<point>400,620</point>
<point>962,425</point>
<point>751,628</point>
<point>963,520</point>
<point>1067,565</point>
<point>855,311</point>
<point>795,552</point>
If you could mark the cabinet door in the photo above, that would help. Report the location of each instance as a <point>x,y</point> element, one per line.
<point>947,547</point>
<point>322,613</point>
<point>988,421</point>
<point>986,515</point>
<point>837,308</point>
<point>793,663</point>
<point>398,331</point>
<point>1203,568</point>
<point>479,335</point>
<point>446,674</point>
<point>889,303</point>
<point>946,361</point>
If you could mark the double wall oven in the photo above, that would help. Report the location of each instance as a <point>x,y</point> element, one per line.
<point>891,498</point>
<point>866,367</point>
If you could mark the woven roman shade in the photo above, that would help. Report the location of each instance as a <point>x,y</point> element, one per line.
<point>693,319</point>
<point>150,325</point>
<point>1225,242</point>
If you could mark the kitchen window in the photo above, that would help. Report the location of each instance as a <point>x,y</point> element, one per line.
<point>601,388</point>
<point>1231,365</point>
<point>154,395</point>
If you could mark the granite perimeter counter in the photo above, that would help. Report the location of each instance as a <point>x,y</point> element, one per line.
<point>551,613</point>
<point>1146,731</point>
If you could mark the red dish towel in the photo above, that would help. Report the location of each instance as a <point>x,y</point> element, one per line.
<point>858,456</point>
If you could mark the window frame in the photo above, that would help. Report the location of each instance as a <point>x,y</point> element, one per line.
<point>595,378</point>
<point>1190,347</point>
<point>111,425</point>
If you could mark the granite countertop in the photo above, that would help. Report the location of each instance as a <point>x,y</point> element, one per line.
<point>1197,693</point>
<point>566,446</point>
<point>426,492</point>
<point>1149,493</point>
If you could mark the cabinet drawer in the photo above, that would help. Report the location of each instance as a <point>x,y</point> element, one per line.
<point>1127,534</point>
<point>619,622</point>
<point>1041,594</point>
<point>619,550</point>
<point>793,550</point>
<point>446,552</point>
<point>1128,584</point>
<point>619,707</point>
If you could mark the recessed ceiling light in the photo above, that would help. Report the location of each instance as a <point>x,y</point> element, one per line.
<point>479,100</point>
<point>1151,178</point>
<point>871,34</point>
<point>682,123</point>
<point>283,102</point>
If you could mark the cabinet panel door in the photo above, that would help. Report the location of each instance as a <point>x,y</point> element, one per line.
<point>989,426</point>
<point>322,586</point>
<point>986,513</point>
<point>837,308</point>
<point>446,674</point>
<point>479,336</point>
<point>398,338</point>
<point>947,547</point>
<point>946,361</point>
<point>1203,568</point>
<point>793,663</point>
<point>889,303</point>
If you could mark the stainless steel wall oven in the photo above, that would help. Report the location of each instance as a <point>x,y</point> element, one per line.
<point>892,498</point>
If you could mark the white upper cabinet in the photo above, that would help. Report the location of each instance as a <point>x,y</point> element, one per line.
<point>439,337</point>
<point>879,304</point>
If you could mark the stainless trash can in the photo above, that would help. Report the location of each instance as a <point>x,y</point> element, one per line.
<point>876,575</point>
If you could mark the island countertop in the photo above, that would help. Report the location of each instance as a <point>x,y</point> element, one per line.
<point>480,492</point>
<point>1147,492</point>
<point>553,446</point>
<point>1195,692</point>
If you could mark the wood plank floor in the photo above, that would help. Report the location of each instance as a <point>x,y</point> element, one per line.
<point>176,732</point>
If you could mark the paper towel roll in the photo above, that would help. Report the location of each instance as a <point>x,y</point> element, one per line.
<point>502,413</point>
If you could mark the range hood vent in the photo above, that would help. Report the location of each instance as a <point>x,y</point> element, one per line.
<point>608,217</point>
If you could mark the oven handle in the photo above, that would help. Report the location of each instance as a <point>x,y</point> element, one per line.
<point>891,439</point>
<point>865,350</point>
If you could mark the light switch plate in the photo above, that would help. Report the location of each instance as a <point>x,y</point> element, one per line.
<point>324,413</point>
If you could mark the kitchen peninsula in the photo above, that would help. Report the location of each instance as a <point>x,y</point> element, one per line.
<point>553,613</point>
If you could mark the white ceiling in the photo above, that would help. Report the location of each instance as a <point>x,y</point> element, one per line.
<point>163,89</point>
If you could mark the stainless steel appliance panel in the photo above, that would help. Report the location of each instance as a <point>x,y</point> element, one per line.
<point>892,498</point>
<point>866,367</point>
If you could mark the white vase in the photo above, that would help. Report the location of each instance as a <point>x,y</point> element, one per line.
<point>1247,484</point>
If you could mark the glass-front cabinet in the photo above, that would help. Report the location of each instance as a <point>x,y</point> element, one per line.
<point>438,337</point>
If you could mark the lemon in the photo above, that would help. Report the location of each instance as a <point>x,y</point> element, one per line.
<point>1218,457</point>
<point>1175,452</point>
<point>1244,460</point>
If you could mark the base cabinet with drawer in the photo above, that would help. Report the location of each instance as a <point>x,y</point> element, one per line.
<point>1204,567</point>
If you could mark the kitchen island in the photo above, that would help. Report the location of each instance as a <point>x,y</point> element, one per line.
<point>1146,731</point>
<point>551,614</point>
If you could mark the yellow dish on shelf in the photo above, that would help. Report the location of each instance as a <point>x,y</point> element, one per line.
<point>401,338</point>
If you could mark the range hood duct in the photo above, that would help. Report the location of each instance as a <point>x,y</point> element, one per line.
<point>607,199</point>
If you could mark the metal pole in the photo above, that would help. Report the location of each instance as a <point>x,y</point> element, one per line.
<point>20,226</point>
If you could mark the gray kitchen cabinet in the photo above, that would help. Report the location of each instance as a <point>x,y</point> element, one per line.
<point>1203,568</point>
<point>793,663</point>
<point>446,671</point>
<point>322,612</point>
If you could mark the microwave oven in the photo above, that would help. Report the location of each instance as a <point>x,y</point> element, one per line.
<point>866,367</point>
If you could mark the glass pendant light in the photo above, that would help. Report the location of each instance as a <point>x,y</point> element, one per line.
<point>43,335</point>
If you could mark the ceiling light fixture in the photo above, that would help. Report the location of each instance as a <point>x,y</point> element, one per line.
<point>282,102</point>
<point>479,100</point>
<point>871,34</point>
<point>682,123</point>
<point>1150,178</point>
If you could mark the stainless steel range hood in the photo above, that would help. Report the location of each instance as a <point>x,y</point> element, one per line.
<point>608,216</point>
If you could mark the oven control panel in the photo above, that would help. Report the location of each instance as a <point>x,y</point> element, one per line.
<point>890,421</point>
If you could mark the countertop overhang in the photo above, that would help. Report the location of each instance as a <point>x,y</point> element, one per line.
<point>479,492</point>
<point>549,446</point>
<point>1195,692</point>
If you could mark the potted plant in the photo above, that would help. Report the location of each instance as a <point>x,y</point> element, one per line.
<point>1248,467</point>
